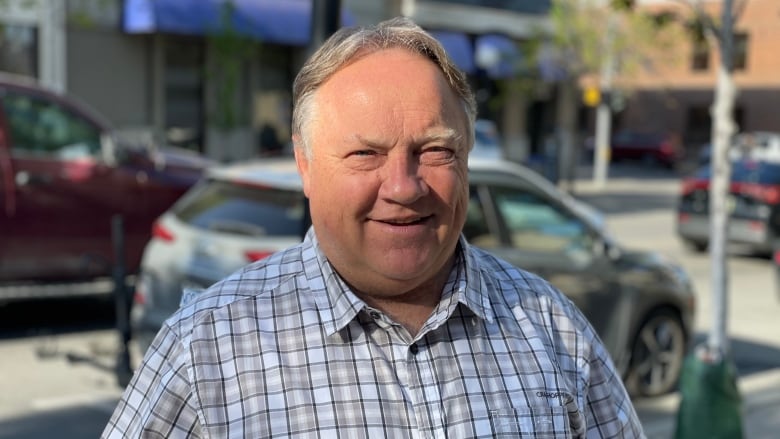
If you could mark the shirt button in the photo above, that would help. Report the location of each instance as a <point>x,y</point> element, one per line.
<point>375,315</point>
<point>413,348</point>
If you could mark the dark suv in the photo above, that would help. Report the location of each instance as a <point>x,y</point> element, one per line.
<point>753,203</point>
<point>63,177</point>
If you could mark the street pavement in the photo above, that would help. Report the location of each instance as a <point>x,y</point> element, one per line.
<point>58,385</point>
<point>760,405</point>
<point>65,383</point>
<point>638,195</point>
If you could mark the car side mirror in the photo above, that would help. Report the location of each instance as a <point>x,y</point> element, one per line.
<point>108,149</point>
<point>605,247</point>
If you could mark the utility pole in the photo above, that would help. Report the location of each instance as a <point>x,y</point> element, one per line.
<point>722,133</point>
<point>710,404</point>
<point>325,20</point>
<point>603,111</point>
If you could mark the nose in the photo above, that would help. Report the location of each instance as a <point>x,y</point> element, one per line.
<point>402,181</point>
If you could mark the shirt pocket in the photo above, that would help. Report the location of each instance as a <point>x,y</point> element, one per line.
<point>537,422</point>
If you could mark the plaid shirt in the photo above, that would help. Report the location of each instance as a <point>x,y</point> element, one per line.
<point>283,348</point>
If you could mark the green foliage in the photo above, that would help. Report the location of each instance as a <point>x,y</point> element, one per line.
<point>84,14</point>
<point>622,5</point>
<point>231,50</point>
<point>81,19</point>
<point>578,40</point>
<point>576,35</point>
<point>696,30</point>
<point>587,33</point>
<point>663,19</point>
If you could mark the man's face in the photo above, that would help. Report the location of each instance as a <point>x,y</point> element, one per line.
<point>387,180</point>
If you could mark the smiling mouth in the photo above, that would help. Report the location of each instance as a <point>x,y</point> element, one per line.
<point>405,221</point>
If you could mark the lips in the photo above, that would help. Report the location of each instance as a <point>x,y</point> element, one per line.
<point>404,221</point>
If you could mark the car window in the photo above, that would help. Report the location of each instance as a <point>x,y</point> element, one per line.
<point>476,229</point>
<point>242,209</point>
<point>45,129</point>
<point>748,171</point>
<point>535,224</point>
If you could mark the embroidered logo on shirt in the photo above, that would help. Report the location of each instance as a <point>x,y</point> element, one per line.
<point>550,395</point>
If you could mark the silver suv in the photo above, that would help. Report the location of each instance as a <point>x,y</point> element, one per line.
<point>639,303</point>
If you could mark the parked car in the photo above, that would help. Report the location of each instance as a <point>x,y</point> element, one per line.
<point>756,145</point>
<point>639,303</point>
<point>648,147</point>
<point>753,201</point>
<point>63,177</point>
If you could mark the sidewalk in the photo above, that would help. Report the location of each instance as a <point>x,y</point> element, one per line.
<point>632,190</point>
<point>760,408</point>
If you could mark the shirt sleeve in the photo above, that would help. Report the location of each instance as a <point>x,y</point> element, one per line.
<point>158,401</point>
<point>609,411</point>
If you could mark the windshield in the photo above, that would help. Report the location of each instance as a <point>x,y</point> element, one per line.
<point>243,209</point>
<point>748,171</point>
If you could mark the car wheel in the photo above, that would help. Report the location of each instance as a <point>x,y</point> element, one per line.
<point>695,246</point>
<point>657,355</point>
<point>650,160</point>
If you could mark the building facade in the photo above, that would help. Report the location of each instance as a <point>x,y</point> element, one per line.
<point>677,98</point>
<point>182,73</point>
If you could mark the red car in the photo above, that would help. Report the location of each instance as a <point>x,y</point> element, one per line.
<point>650,148</point>
<point>63,177</point>
<point>753,203</point>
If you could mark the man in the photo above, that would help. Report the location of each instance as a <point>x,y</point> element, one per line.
<point>384,322</point>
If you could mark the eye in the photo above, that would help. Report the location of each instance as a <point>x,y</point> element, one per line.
<point>437,153</point>
<point>363,153</point>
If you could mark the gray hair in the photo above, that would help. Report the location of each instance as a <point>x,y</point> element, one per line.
<point>349,44</point>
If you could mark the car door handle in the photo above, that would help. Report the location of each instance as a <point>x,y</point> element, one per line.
<point>24,178</point>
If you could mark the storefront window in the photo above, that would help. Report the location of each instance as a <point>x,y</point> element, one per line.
<point>184,93</point>
<point>19,49</point>
<point>271,102</point>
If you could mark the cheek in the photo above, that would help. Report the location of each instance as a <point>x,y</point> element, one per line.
<point>340,194</point>
<point>456,188</point>
<point>460,199</point>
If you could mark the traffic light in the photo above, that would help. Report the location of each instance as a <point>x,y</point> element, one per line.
<point>591,96</point>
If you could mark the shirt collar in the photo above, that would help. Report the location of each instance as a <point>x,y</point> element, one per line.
<point>475,288</point>
<point>338,305</point>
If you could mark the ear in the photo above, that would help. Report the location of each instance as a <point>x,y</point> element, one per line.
<point>302,162</point>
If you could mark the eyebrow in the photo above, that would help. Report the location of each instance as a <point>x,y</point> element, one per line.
<point>445,135</point>
<point>448,135</point>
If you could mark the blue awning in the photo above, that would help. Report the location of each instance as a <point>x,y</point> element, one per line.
<point>283,22</point>
<point>459,49</point>
<point>463,49</point>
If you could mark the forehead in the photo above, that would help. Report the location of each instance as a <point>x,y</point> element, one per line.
<point>393,79</point>
<point>383,98</point>
<point>394,68</point>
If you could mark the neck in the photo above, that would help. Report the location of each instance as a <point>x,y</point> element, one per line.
<point>411,314</point>
<point>409,306</point>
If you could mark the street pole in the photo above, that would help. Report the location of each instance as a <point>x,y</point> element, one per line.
<point>122,298</point>
<point>722,132</point>
<point>603,111</point>
<point>710,403</point>
<point>325,20</point>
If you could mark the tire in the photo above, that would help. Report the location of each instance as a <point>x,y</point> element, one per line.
<point>695,246</point>
<point>650,161</point>
<point>657,354</point>
<point>776,272</point>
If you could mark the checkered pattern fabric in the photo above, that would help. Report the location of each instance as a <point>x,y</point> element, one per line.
<point>283,348</point>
